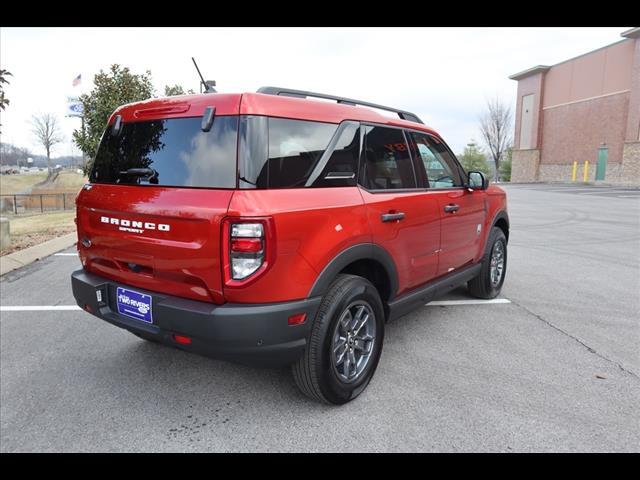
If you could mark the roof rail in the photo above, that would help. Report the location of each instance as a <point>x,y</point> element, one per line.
<point>288,92</point>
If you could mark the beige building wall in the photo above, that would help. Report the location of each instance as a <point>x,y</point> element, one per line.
<point>531,85</point>
<point>526,158</point>
<point>581,105</point>
<point>574,132</point>
<point>633,120</point>
<point>601,72</point>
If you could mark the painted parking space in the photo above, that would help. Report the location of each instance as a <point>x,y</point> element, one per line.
<point>578,189</point>
<point>57,308</point>
<point>556,369</point>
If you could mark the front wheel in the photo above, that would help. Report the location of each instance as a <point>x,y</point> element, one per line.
<point>345,342</point>
<point>489,281</point>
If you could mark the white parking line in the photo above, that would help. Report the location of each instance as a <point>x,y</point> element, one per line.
<point>65,254</point>
<point>44,308</point>
<point>38,308</point>
<point>446,303</point>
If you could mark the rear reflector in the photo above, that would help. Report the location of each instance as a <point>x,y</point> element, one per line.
<point>88,308</point>
<point>182,339</point>
<point>246,245</point>
<point>297,319</point>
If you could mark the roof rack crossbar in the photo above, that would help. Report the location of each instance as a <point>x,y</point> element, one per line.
<point>288,92</point>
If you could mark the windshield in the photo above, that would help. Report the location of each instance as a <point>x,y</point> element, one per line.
<point>170,152</point>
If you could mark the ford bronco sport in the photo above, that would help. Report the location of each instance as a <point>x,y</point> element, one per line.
<point>273,228</point>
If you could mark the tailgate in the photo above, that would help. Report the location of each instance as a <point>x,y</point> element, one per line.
<point>159,187</point>
<point>157,238</point>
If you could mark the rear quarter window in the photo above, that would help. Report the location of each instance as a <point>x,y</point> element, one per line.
<point>287,153</point>
<point>294,149</point>
<point>176,150</point>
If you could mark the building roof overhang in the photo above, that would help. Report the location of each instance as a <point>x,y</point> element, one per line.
<point>631,33</point>
<point>529,72</point>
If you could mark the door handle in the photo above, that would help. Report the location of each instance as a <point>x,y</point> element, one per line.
<point>451,208</point>
<point>390,217</point>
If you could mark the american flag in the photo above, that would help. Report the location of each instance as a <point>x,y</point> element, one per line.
<point>76,81</point>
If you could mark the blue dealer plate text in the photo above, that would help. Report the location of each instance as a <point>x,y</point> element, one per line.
<point>133,304</point>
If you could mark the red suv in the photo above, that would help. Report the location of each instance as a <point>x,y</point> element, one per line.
<point>272,228</point>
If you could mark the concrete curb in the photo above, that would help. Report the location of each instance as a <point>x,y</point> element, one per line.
<point>18,259</point>
<point>597,184</point>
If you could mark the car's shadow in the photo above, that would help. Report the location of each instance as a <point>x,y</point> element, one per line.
<point>183,377</point>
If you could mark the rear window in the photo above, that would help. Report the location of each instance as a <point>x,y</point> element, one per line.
<point>174,152</point>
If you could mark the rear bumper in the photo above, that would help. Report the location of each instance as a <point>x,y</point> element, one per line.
<point>252,334</point>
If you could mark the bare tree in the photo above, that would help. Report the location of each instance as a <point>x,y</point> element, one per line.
<point>46,130</point>
<point>495,127</point>
<point>12,155</point>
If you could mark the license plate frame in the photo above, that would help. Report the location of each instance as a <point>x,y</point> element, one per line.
<point>134,304</point>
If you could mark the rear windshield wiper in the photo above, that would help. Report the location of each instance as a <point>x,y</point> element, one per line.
<point>141,172</point>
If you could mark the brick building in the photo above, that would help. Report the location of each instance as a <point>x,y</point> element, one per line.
<point>585,108</point>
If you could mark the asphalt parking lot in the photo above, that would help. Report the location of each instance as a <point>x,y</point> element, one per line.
<point>556,369</point>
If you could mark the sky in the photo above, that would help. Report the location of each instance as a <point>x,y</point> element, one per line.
<point>444,75</point>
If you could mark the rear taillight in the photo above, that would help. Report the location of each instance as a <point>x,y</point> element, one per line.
<point>246,253</point>
<point>247,245</point>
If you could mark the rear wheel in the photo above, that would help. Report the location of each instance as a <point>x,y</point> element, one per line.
<point>489,281</point>
<point>345,342</point>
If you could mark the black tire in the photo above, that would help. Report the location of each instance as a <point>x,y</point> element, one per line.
<point>315,373</point>
<point>481,286</point>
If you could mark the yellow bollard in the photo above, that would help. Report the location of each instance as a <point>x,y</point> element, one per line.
<point>586,171</point>
<point>575,170</point>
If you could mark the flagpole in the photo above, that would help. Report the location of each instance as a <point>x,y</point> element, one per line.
<point>75,83</point>
<point>84,160</point>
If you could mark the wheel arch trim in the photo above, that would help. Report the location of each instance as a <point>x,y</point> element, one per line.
<point>361,251</point>
<point>501,215</point>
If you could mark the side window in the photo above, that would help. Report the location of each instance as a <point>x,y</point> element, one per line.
<point>278,152</point>
<point>439,165</point>
<point>341,166</point>
<point>386,161</point>
<point>295,146</point>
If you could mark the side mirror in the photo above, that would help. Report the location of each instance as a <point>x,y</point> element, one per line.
<point>477,181</point>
